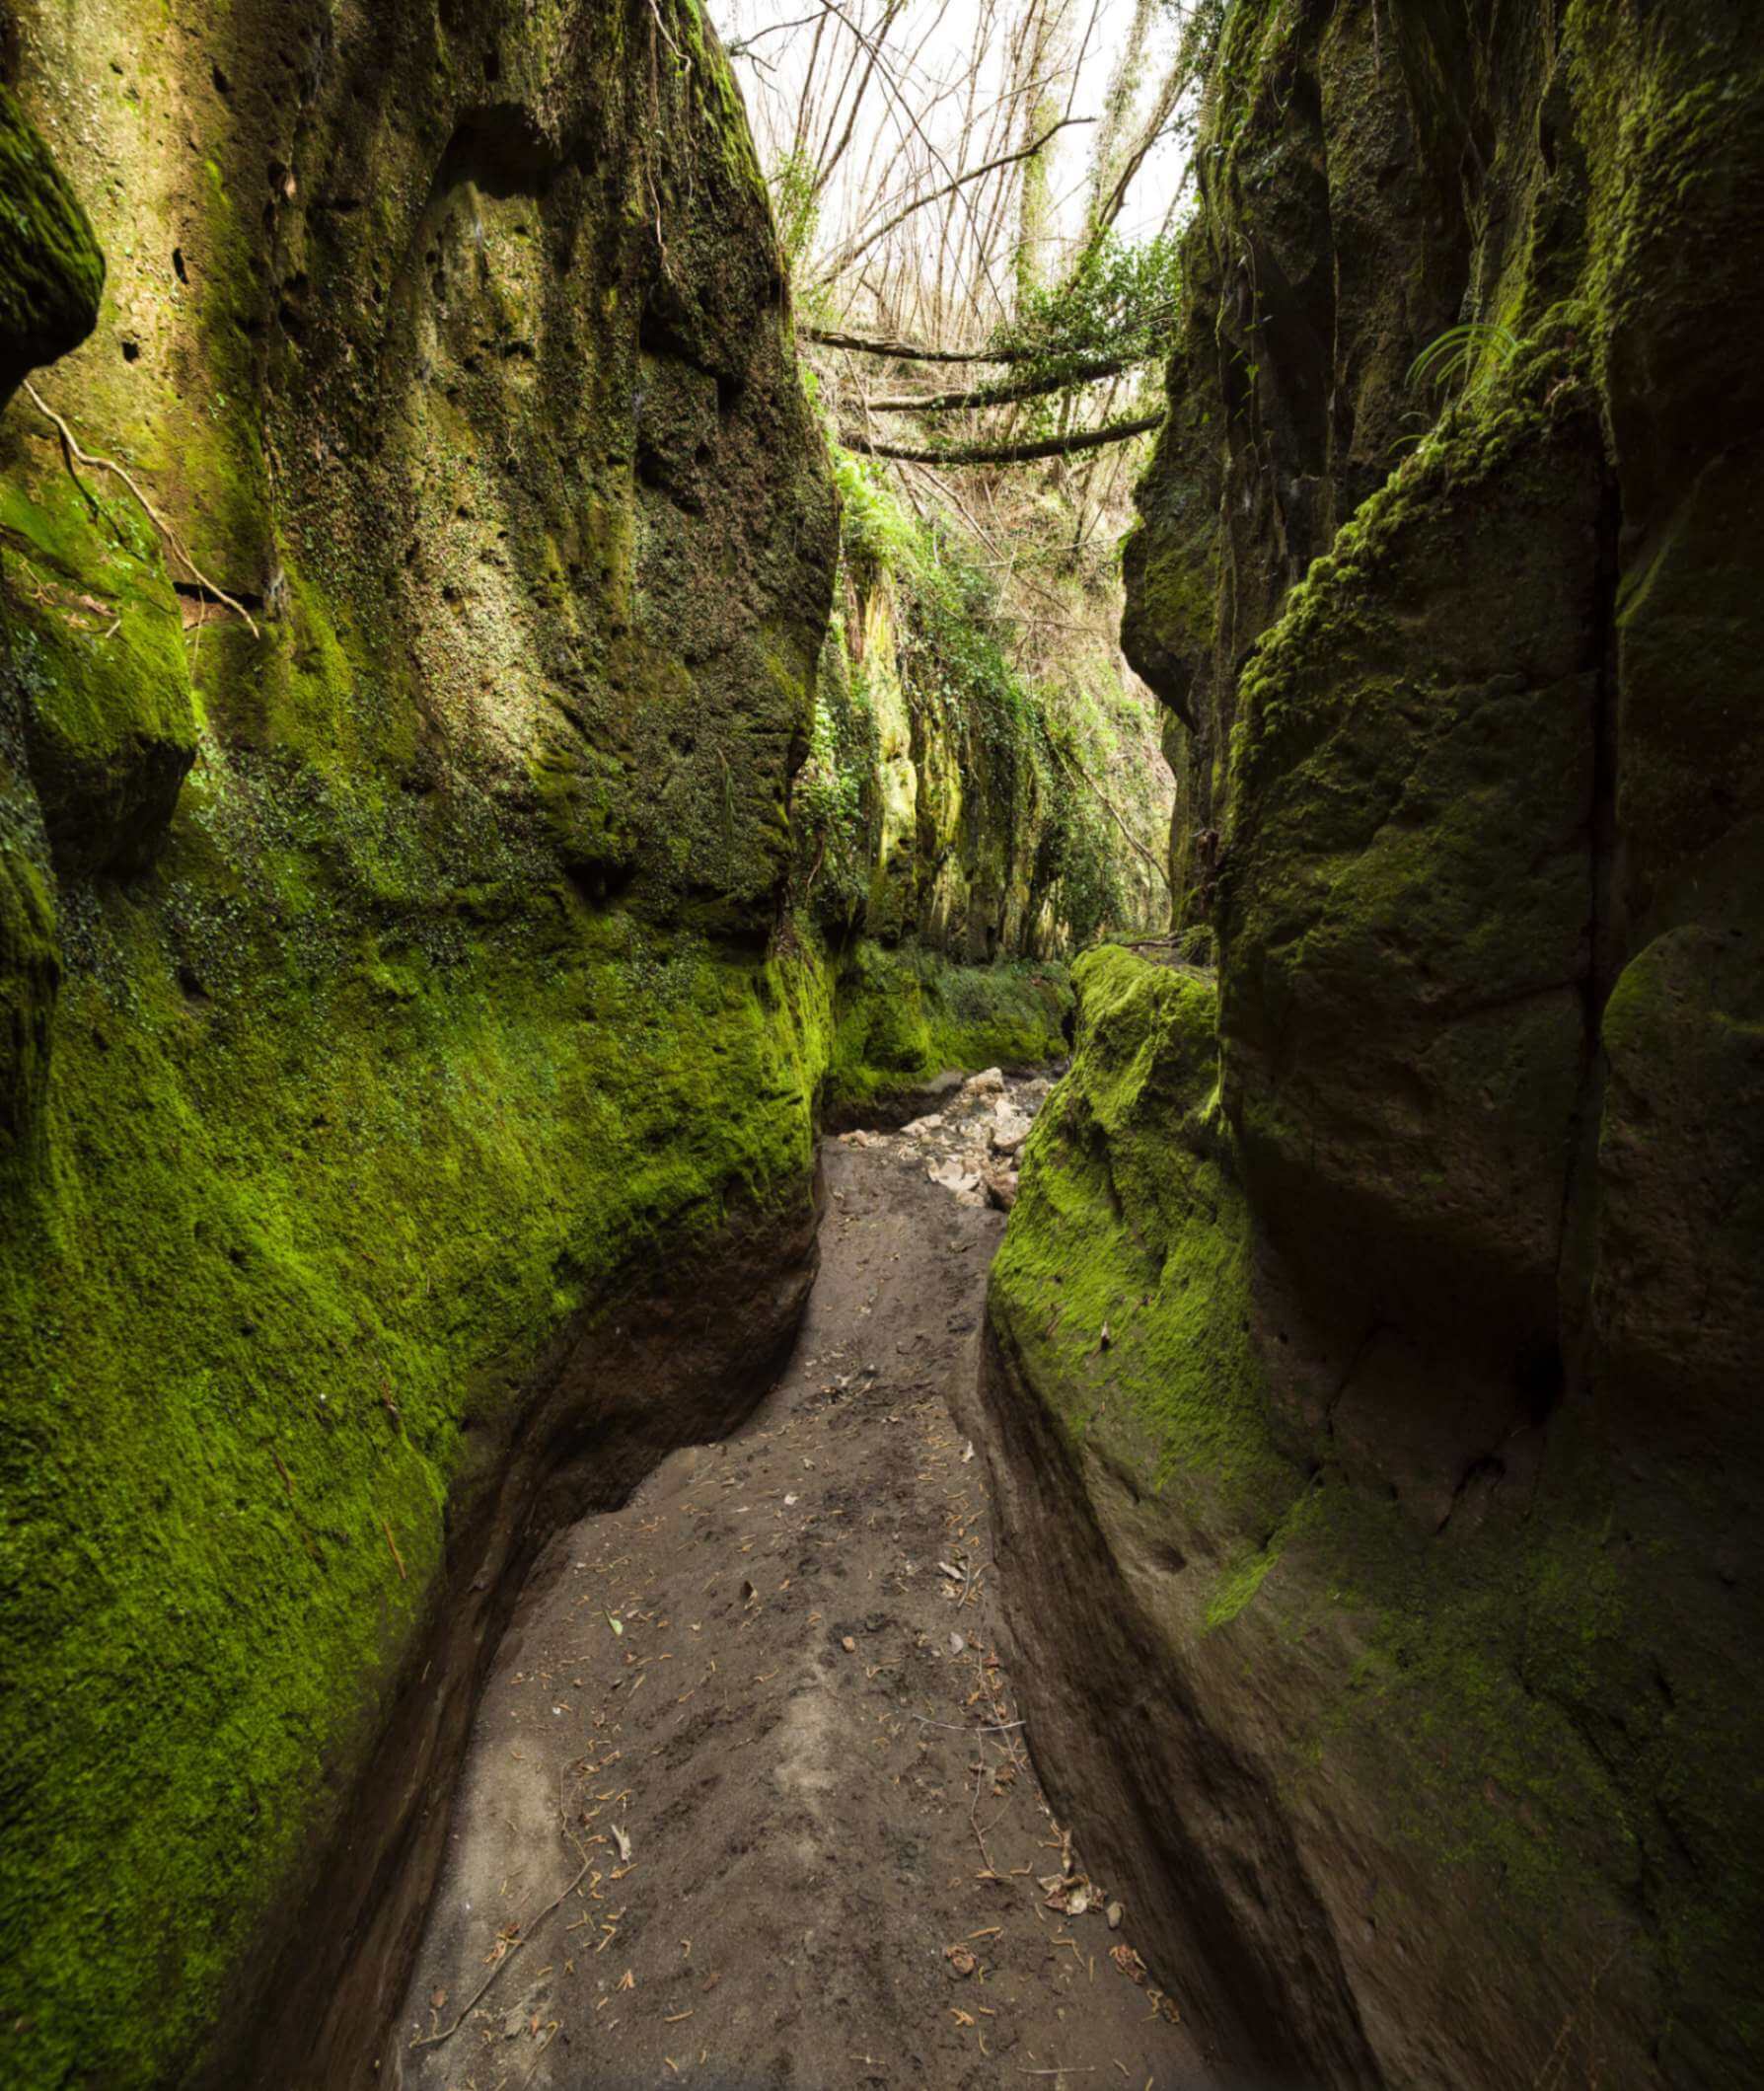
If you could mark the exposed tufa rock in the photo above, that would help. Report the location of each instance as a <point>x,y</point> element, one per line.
<point>1401,1537</point>
<point>51,271</point>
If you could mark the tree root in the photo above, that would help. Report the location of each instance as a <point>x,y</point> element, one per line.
<point>74,456</point>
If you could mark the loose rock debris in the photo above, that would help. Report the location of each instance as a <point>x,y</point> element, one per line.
<point>766,1710</point>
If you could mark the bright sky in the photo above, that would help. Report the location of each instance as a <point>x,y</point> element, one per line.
<point>925,105</point>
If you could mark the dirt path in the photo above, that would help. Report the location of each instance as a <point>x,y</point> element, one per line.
<point>756,1731</point>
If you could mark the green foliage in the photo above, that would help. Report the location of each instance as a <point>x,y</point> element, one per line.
<point>1446,364</point>
<point>904,1017</point>
<point>1118,301</point>
<point>1031,738</point>
<point>795,205</point>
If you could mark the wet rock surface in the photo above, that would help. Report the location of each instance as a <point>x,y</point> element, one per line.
<point>751,1799</point>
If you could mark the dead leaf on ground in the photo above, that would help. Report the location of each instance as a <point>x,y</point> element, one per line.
<point>1129,1962</point>
<point>961,1962</point>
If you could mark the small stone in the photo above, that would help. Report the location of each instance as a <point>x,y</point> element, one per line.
<point>1009,1132</point>
<point>1001,1188</point>
<point>1115,1913</point>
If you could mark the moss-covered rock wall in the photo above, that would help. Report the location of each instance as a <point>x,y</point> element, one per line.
<point>1372,1327</point>
<point>948,801</point>
<point>413,592</point>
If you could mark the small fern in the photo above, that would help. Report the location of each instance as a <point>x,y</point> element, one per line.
<point>1450,359</point>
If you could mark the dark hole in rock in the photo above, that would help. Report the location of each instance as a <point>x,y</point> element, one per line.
<point>1540,1380</point>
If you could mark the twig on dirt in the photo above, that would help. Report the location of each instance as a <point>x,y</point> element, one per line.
<point>73,454</point>
<point>1071,2069</point>
<point>551,2036</point>
<point>969,1726</point>
<point>974,1822</point>
<point>434,2039</point>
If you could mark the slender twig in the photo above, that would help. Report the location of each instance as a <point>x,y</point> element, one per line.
<point>434,2039</point>
<point>845,257</point>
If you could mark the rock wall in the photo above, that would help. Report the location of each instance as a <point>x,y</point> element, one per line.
<point>407,1008</point>
<point>1371,1332</point>
<point>947,815</point>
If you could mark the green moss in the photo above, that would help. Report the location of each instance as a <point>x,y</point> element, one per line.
<point>305,1230</point>
<point>980,828</point>
<point>1124,1279</point>
<point>30,969</point>
<point>51,271</point>
<point>97,661</point>
<point>902,1016</point>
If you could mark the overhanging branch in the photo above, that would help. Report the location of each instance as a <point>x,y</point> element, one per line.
<point>1053,446</point>
<point>1004,395</point>
<point>870,345</point>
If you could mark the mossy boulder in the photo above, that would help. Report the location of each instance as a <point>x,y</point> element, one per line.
<point>51,271</point>
<point>351,1070</point>
<point>99,675</point>
<point>906,1015</point>
<point>1407,894</point>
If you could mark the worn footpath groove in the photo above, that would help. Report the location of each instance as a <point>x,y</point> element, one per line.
<point>747,1803</point>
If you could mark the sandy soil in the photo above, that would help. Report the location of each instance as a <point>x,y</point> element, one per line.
<point>748,1802</point>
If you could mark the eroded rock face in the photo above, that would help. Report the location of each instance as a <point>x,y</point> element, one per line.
<point>1411,1497</point>
<point>388,972</point>
<point>50,266</point>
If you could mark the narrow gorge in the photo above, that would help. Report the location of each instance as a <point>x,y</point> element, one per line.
<point>702,1379</point>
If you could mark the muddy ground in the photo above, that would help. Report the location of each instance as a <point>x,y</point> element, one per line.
<point>749,1801</point>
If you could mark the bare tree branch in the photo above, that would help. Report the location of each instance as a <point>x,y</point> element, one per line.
<point>1053,446</point>
<point>1074,768</point>
<point>1004,395</point>
<point>846,256</point>
<point>903,351</point>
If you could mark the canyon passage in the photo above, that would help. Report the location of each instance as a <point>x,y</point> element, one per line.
<point>881,1044</point>
<point>768,1705</point>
